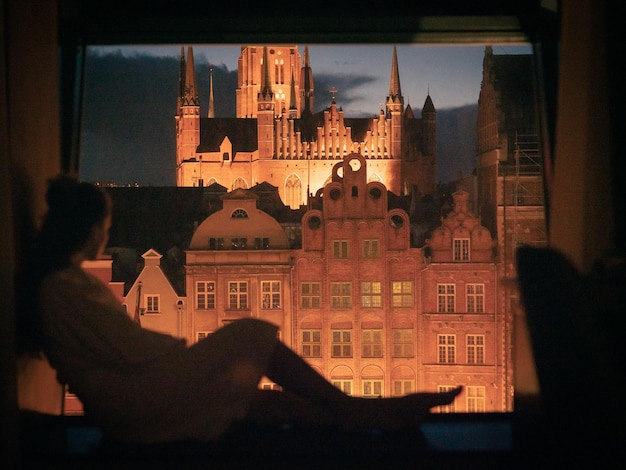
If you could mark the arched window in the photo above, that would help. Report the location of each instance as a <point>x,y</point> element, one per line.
<point>293,191</point>
<point>240,183</point>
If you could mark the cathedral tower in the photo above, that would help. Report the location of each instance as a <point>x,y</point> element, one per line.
<point>188,118</point>
<point>265,112</point>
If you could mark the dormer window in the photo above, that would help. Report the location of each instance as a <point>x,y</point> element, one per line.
<point>460,249</point>
<point>239,214</point>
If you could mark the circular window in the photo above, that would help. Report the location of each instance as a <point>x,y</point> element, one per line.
<point>397,221</point>
<point>375,193</point>
<point>335,194</point>
<point>314,222</point>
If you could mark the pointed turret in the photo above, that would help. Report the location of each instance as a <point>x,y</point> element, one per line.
<point>211,113</point>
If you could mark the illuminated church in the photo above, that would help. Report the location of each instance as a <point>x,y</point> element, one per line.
<point>278,138</point>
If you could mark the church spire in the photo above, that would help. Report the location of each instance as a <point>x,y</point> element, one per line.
<point>190,94</point>
<point>211,108</point>
<point>266,84</point>
<point>306,83</point>
<point>395,92</point>
<point>293,105</point>
<point>181,81</point>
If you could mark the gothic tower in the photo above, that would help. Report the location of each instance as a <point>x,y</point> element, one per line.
<point>188,118</point>
<point>265,112</point>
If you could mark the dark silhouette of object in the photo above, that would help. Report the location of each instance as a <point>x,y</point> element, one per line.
<point>576,323</point>
<point>141,386</point>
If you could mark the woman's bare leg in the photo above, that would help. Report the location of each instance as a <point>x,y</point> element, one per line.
<point>316,395</point>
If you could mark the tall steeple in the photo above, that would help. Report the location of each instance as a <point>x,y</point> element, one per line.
<point>395,92</point>
<point>191,95</point>
<point>293,104</point>
<point>181,81</point>
<point>306,83</point>
<point>211,108</point>
<point>266,92</point>
<point>395,109</point>
<point>265,112</point>
<point>188,120</point>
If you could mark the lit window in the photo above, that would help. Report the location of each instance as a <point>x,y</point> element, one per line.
<point>402,293</point>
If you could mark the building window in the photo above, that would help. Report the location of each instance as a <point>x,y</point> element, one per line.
<point>372,343</point>
<point>447,349</point>
<point>460,248</point>
<point>475,399</point>
<point>310,295</point>
<point>237,295</point>
<point>216,243</point>
<point>261,243</point>
<point>372,388</point>
<point>475,349</point>
<point>400,387</point>
<point>269,386</point>
<point>342,343</point>
<point>445,408</point>
<point>371,294</point>
<point>270,294</point>
<point>445,298</point>
<point>239,214</point>
<point>344,385</point>
<point>239,243</point>
<point>402,342</point>
<point>370,249</point>
<point>152,303</point>
<point>340,249</point>
<point>202,334</point>
<point>312,343</point>
<point>341,294</point>
<point>475,294</point>
<point>293,192</point>
<point>402,293</point>
<point>205,295</point>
